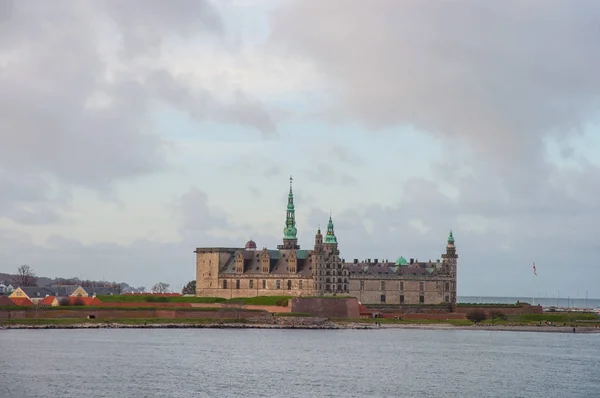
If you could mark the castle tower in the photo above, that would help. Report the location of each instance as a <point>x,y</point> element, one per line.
<point>318,272</point>
<point>450,262</point>
<point>332,276</point>
<point>290,240</point>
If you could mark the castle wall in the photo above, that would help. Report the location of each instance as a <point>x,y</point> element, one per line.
<point>428,290</point>
<point>230,290</point>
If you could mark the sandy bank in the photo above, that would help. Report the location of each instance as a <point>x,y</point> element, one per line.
<point>322,326</point>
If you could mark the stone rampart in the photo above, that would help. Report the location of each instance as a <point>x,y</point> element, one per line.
<point>223,313</point>
<point>326,307</point>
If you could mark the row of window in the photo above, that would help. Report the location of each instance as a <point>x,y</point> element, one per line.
<point>264,284</point>
<point>421,286</point>
<point>421,299</point>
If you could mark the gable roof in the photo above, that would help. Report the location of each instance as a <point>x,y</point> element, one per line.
<point>48,300</point>
<point>22,301</point>
<point>37,292</point>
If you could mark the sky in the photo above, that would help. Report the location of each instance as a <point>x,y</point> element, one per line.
<point>133,132</point>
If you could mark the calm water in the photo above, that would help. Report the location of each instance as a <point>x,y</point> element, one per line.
<point>297,363</point>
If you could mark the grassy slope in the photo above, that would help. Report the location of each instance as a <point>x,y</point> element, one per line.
<point>261,300</point>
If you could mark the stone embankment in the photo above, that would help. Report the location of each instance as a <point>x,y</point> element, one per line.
<point>217,325</point>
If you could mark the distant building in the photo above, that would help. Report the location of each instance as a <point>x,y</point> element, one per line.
<point>52,296</point>
<point>291,271</point>
<point>405,282</point>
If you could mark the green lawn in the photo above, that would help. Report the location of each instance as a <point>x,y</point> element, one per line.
<point>125,321</point>
<point>261,300</point>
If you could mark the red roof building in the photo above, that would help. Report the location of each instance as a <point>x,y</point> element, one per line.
<point>48,301</point>
<point>22,301</point>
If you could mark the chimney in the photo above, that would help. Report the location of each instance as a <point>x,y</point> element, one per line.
<point>376,260</point>
<point>355,261</point>
<point>412,260</point>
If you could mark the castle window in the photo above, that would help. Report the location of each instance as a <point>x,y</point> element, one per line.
<point>264,284</point>
<point>237,284</point>
<point>446,299</point>
<point>362,285</point>
<point>278,284</point>
<point>402,286</point>
<point>383,298</point>
<point>447,286</point>
<point>289,285</point>
<point>251,283</point>
<point>421,299</point>
<point>300,284</point>
<point>401,299</point>
<point>382,285</point>
<point>421,286</point>
<point>225,284</point>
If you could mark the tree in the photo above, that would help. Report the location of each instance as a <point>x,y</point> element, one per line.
<point>64,302</point>
<point>160,287</point>
<point>476,316</point>
<point>25,276</point>
<point>496,314</point>
<point>190,288</point>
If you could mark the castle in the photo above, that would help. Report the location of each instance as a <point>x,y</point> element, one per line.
<point>291,271</point>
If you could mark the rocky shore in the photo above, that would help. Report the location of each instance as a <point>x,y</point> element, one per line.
<point>316,326</point>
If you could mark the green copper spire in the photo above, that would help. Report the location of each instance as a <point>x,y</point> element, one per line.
<point>289,232</point>
<point>330,236</point>
<point>450,237</point>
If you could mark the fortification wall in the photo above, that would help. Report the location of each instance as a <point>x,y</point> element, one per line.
<point>128,314</point>
<point>326,307</point>
<point>524,309</point>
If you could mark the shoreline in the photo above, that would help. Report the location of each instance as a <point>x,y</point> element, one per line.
<point>324,326</point>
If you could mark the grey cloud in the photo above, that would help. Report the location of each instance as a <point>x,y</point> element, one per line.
<point>196,214</point>
<point>67,115</point>
<point>346,155</point>
<point>30,200</point>
<point>498,75</point>
<point>254,167</point>
<point>325,173</point>
<point>145,23</point>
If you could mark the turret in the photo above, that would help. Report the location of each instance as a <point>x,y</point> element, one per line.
<point>330,238</point>
<point>290,240</point>
<point>318,240</point>
<point>449,266</point>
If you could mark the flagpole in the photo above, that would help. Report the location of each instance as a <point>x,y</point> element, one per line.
<point>533,293</point>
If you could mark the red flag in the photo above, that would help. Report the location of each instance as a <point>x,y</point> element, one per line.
<point>534,269</point>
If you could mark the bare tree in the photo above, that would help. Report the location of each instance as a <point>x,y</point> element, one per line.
<point>25,276</point>
<point>160,287</point>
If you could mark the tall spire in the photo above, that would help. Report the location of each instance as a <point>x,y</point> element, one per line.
<point>330,236</point>
<point>289,232</point>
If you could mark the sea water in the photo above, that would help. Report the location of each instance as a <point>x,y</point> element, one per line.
<point>297,363</point>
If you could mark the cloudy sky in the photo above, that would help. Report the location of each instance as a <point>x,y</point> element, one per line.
<point>133,132</point>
